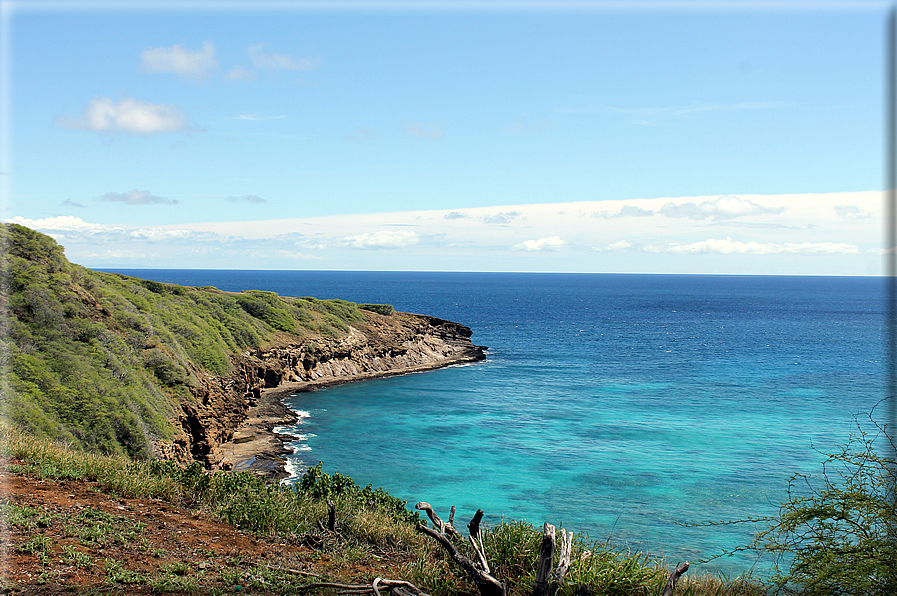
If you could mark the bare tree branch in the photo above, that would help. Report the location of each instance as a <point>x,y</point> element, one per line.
<point>486,584</point>
<point>446,528</point>
<point>674,577</point>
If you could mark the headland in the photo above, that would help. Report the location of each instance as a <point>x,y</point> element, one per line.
<point>383,346</point>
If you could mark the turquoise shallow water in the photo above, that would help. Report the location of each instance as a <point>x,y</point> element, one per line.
<point>616,405</point>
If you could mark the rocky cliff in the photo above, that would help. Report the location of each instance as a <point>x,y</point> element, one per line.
<point>379,346</point>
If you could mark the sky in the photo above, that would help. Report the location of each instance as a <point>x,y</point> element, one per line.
<point>673,137</point>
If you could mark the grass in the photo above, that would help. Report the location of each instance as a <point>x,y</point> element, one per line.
<point>371,526</point>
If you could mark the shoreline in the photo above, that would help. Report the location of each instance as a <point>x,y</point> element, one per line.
<point>256,447</point>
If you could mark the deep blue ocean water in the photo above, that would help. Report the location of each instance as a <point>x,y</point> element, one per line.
<point>616,405</point>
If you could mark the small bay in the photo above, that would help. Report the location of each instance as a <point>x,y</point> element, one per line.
<point>620,406</point>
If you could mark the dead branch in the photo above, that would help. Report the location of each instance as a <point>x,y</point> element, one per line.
<point>546,559</point>
<point>446,528</point>
<point>549,580</point>
<point>343,587</point>
<point>674,577</point>
<point>397,587</point>
<point>564,557</point>
<point>486,584</point>
<point>331,518</point>
<point>331,521</point>
<point>296,571</point>
<point>476,539</point>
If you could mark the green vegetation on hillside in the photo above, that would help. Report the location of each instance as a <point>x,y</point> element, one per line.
<point>98,359</point>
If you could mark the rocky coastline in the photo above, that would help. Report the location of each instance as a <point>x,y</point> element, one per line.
<point>231,424</point>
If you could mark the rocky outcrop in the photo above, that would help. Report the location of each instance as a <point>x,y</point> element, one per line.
<point>380,346</point>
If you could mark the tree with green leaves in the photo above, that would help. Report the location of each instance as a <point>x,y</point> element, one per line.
<point>836,533</point>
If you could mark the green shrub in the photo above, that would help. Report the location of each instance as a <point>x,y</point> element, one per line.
<point>835,534</point>
<point>381,309</point>
<point>268,307</point>
<point>317,484</point>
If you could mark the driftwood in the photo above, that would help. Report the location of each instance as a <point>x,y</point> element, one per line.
<point>477,571</point>
<point>674,577</point>
<point>548,576</point>
<point>444,527</point>
<point>476,539</point>
<point>395,586</point>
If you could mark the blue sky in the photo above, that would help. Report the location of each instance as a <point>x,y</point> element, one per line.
<point>678,137</point>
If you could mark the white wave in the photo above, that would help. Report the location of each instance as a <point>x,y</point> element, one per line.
<point>291,469</point>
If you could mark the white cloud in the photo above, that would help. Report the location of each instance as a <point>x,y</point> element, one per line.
<point>551,243</point>
<point>62,223</point>
<point>239,73</point>
<point>136,197</point>
<point>128,255</point>
<point>383,239</point>
<point>128,115</point>
<point>159,234</point>
<point>246,199</point>
<point>728,246</point>
<point>625,211</point>
<point>807,237</point>
<point>633,211</point>
<point>618,246</point>
<point>501,218</point>
<point>306,63</point>
<point>851,212</point>
<point>415,129</point>
<point>194,64</point>
<point>274,61</point>
<point>726,207</point>
<point>75,229</point>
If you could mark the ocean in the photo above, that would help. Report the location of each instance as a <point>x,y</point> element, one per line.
<point>625,407</point>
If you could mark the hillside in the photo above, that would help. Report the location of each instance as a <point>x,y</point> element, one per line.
<point>120,365</point>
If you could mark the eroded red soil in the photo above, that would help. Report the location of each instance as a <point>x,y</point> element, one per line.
<point>70,537</point>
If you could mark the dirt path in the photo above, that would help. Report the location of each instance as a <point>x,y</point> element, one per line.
<point>64,537</point>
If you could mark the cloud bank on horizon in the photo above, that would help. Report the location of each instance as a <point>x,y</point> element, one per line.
<point>594,139</point>
<point>833,233</point>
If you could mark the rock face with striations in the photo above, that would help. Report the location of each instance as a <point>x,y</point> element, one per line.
<point>381,346</point>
